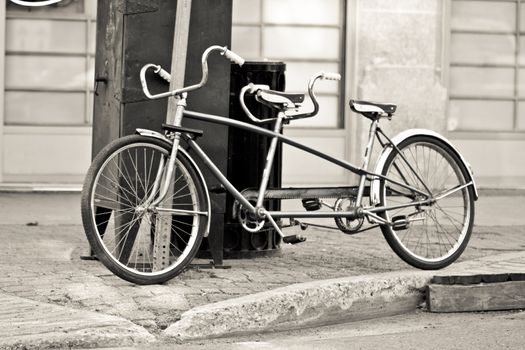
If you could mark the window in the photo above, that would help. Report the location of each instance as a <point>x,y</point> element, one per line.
<point>307,35</point>
<point>50,63</point>
<point>487,66</point>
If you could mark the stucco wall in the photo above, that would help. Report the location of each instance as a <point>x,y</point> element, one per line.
<point>399,61</point>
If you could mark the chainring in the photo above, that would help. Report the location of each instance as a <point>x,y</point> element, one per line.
<point>347,226</point>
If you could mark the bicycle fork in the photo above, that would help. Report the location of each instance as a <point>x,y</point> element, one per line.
<point>167,172</point>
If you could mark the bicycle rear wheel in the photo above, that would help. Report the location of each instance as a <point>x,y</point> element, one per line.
<point>437,233</point>
<point>138,242</point>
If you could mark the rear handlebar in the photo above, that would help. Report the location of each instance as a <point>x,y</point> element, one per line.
<point>311,83</point>
<point>254,89</point>
<point>232,56</point>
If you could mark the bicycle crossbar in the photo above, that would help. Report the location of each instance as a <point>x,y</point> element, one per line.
<point>307,192</point>
<point>245,126</point>
<point>252,128</point>
<point>352,214</point>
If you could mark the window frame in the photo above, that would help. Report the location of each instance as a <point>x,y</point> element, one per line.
<point>340,61</point>
<point>88,17</point>
<point>517,32</point>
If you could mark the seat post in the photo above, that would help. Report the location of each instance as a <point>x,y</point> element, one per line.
<point>366,159</point>
<point>269,160</point>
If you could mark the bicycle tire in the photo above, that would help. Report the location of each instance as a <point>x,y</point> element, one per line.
<point>122,231</point>
<point>439,233</point>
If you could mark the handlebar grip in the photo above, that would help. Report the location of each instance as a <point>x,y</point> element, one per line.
<point>163,74</point>
<point>331,76</point>
<point>232,56</point>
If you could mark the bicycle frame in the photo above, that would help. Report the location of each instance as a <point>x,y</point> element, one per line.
<point>418,196</point>
<point>146,225</point>
<point>276,137</point>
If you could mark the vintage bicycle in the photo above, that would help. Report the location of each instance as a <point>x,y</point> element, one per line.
<point>146,207</point>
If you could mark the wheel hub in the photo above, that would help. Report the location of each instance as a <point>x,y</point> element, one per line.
<point>142,209</point>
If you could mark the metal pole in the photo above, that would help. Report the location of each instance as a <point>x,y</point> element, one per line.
<point>180,49</point>
<point>162,244</point>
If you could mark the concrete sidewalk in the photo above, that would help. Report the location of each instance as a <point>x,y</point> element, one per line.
<point>40,268</point>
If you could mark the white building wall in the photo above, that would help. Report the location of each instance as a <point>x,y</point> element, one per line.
<point>394,51</point>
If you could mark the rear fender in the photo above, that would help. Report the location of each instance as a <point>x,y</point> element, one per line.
<point>158,135</point>
<point>396,140</point>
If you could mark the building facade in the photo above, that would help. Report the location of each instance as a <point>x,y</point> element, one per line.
<point>454,66</point>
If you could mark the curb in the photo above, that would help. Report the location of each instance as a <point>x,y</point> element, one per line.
<point>323,302</point>
<point>306,305</point>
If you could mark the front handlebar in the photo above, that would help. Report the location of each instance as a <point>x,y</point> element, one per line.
<point>232,56</point>
<point>254,89</point>
<point>251,88</point>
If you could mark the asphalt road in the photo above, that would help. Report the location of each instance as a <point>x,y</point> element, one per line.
<point>420,330</point>
<point>415,331</point>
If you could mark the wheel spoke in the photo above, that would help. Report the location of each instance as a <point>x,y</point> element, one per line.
<point>445,229</point>
<point>126,225</point>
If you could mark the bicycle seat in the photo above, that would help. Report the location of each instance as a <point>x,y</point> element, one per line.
<point>372,109</point>
<point>280,99</point>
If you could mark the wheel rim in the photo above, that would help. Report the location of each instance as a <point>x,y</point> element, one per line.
<point>127,228</point>
<point>441,227</point>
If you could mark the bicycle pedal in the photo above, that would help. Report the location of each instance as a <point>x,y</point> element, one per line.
<point>294,239</point>
<point>311,204</point>
<point>400,222</point>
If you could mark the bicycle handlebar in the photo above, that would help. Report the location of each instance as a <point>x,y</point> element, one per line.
<point>232,56</point>
<point>253,89</point>
<point>330,76</point>
<point>163,74</point>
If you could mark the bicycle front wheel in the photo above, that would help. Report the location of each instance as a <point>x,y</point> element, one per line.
<point>434,235</point>
<point>140,242</point>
